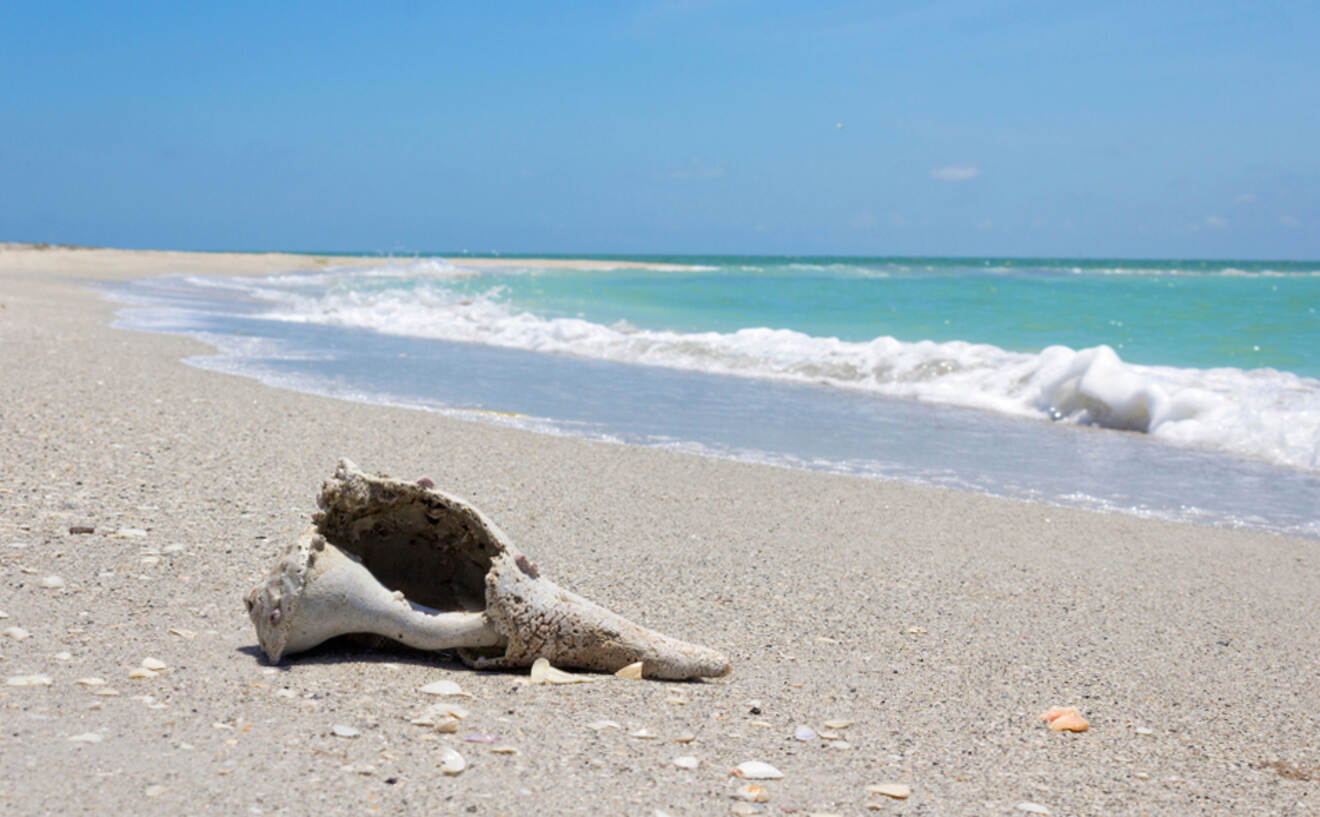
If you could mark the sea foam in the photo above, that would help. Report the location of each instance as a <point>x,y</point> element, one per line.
<point>1262,413</point>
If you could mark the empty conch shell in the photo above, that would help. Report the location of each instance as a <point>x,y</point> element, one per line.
<point>408,562</point>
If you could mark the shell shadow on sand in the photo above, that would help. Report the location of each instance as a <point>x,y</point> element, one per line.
<point>413,564</point>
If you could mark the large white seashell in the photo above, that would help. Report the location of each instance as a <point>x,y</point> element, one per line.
<point>463,586</point>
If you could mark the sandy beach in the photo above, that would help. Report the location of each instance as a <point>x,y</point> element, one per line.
<point>937,625</point>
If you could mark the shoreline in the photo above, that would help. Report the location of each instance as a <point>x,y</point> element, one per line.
<point>940,623</point>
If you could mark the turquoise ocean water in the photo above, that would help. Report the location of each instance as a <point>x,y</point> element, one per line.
<point>1095,382</point>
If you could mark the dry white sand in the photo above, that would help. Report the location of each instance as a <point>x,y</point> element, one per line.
<point>939,624</point>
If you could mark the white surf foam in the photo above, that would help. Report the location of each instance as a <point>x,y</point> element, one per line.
<point>1266,414</point>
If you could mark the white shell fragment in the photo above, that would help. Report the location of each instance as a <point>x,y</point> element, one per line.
<point>155,790</point>
<point>451,762</point>
<point>37,680</point>
<point>142,672</point>
<point>643,734</point>
<point>154,664</point>
<point>444,687</point>
<point>599,725</point>
<point>687,762</point>
<point>633,671</point>
<point>757,770</point>
<point>87,737</point>
<point>897,791</point>
<point>51,582</point>
<point>3,614</point>
<point>544,673</point>
<point>340,730</point>
<point>804,732</point>
<point>17,633</point>
<point>838,724</point>
<point>1032,808</point>
<point>182,633</point>
<point>91,682</point>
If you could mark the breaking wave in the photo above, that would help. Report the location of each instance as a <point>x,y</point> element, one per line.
<point>1261,413</point>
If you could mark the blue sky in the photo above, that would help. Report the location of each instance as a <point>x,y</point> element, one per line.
<point>968,128</point>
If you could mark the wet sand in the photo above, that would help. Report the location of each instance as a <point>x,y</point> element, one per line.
<point>939,624</point>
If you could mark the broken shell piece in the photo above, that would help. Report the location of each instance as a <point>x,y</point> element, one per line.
<point>51,582</point>
<point>465,587</point>
<point>544,673</point>
<point>752,793</point>
<point>142,672</point>
<point>17,633</point>
<point>756,770</point>
<point>1067,719</point>
<point>444,688</point>
<point>154,664</point>
<point>451,762</point>
<point>38,680</point>
<point>897,791</point>
<point>687,762</point>
<point>91,682</point>
<point>632,672</point>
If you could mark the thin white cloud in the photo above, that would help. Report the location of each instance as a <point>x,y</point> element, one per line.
<point>1247,198</point>
<point>1216,222</point>
<point>955,173</point>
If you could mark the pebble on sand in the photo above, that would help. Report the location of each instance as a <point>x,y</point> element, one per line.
<point>1065,719</point>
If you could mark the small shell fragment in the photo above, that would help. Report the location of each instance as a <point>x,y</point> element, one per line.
<point>17,633</point>
<point>444,687</point>
<point>687,762</point>
<point>752,793</point>
<point>451,762</point>
<point>756,770</point>
<point>1067,719</point>
<point>898,791</point>
<point>340,730</point>
<point>643,734</point>
<point>87,737</point>
<point>632,672</point>
<point>685,737</point>
<point>51,582</point>
<point>503,750</point>
<point>154,790</point>
<point>106,692</point>
<point>182,633</point>
<point>1031,808</point>
<point>37,680</point>
<point>746,809</point>
<point>142,672</point>
<point>1144,730</point>
<point>544,673</point>
<point>91,682</point>
<point>804,732</point>
<point>599,725</point>
<point>154,664</point>
<point>838,724</point>
<point>3,614</point>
